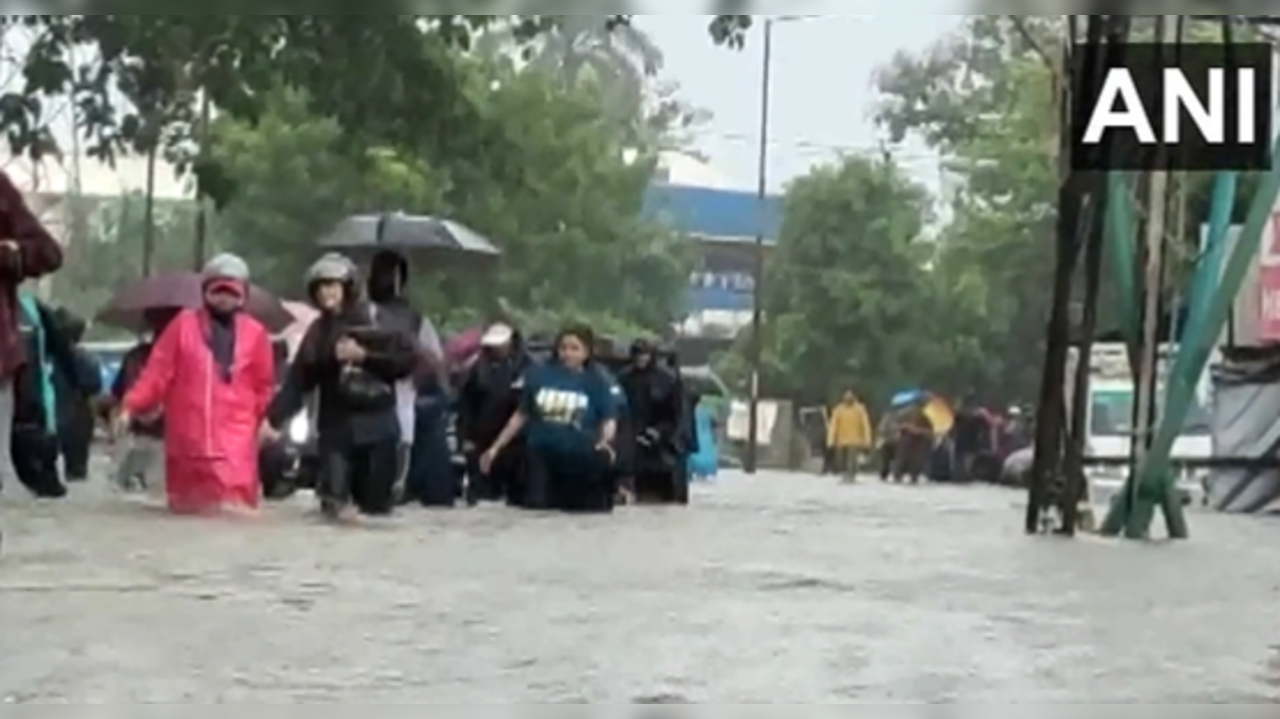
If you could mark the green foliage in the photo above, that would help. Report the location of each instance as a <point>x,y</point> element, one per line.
<point>321,116</point>
<point>386,80</point>
<point>984,98</point>
<point>560,197</point>
<point>297,178</point>
<point>107,246</point>
<point>847,283</point>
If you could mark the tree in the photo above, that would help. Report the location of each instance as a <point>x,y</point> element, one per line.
<point>587,46</point>
<point>297,178</point>
<point>562,198</point>
<point>109,253</point>
<point>622,61</point>
<point>566,203</point>
<point>984,99</point>
<point>403,65</point>
<point>848,292</point>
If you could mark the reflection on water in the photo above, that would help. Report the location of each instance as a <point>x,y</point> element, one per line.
<point>777,589</point>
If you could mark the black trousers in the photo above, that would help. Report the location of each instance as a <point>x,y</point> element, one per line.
<point>505,479</point>
<point>656,476</point>
<point>76,437</point>
<point>887,456</point>
<point>569,482</point>
<point>34,453</point>
<point>364,475</point>
<point>273,465</point>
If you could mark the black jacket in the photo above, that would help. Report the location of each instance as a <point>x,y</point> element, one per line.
<point>315,368</point>
<point>655,401</point>
<point>489,396</point>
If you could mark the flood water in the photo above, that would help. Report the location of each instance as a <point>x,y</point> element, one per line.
<point>781,589</point>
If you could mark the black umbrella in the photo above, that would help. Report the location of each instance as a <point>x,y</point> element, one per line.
<point>421,237</point>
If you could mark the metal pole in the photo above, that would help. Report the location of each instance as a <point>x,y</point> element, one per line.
<point>1153,289</point>
<point>751,461</point>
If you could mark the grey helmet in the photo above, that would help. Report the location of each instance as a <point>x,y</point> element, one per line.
<point>332,267</point>
<point>226,266</point>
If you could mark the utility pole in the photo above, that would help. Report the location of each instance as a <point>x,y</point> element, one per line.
<point>1146,383</point>
<point>751,462</point>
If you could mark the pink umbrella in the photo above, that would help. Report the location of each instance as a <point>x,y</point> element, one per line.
<point>128,308</point>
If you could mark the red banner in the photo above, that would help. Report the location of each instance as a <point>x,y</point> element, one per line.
<point>1268,327</point>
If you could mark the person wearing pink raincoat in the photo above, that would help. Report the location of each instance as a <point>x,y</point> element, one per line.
<point>212,374</point>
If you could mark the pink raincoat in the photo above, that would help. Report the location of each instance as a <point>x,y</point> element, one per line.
<point>211,424</point>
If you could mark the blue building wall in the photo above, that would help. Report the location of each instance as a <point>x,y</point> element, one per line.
<point>725,224</point>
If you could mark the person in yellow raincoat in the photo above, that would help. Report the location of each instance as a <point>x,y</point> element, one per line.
<point>849,433</point>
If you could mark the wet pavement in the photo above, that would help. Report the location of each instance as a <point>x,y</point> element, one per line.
<point>779,589</point>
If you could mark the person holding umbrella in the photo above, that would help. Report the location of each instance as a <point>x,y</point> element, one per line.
<point>424,467</point>
<point>212,372</point>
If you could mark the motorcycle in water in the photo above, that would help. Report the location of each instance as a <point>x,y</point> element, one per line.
<point>290,464</point>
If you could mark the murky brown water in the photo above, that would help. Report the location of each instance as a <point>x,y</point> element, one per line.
<point>777,589</point>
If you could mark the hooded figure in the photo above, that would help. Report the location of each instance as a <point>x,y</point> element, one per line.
<point>212,374</point>
<point>657,411</point>
<point>74,392</point>
<point>488,398</point>
<point>426,473</point>
<point>352,357</point>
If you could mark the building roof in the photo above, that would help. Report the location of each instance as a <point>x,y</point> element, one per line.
<point>683,168</point>
<point>714,213</point>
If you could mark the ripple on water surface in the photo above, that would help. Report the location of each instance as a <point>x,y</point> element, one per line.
<point>773,589</point>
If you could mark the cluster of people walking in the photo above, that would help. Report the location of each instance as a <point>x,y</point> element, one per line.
<point>920,436</point>
<point>206,400</point>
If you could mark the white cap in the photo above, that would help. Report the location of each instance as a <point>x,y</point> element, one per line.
<point>498,335</point>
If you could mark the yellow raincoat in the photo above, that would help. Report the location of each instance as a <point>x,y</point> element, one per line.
<point>849,427</point>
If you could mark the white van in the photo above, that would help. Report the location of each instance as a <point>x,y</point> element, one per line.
<point>1109,437</point>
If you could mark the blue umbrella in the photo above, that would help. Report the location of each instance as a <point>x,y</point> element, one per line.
<point>905,397</point>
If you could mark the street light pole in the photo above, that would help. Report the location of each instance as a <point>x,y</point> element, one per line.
<point>751,461</point>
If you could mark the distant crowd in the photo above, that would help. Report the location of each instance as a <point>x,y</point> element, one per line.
<point>921,438</point>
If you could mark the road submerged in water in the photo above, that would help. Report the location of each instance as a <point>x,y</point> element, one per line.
<point>774,589</point>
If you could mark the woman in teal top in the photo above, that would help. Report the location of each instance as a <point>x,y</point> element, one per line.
<point>568,413</point>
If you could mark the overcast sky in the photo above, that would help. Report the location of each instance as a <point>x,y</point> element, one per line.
<point>822,82</point>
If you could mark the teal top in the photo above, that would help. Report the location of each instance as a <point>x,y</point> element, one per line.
<point>32,318</point>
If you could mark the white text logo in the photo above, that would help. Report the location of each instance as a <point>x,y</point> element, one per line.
<point>1120,107</point>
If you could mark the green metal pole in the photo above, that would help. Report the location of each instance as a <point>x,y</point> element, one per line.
<point>1122,233</point>
<point>1208,269</point>
<point>1154,476</point>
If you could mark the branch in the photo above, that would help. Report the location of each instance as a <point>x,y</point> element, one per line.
<point>1020,24</point>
